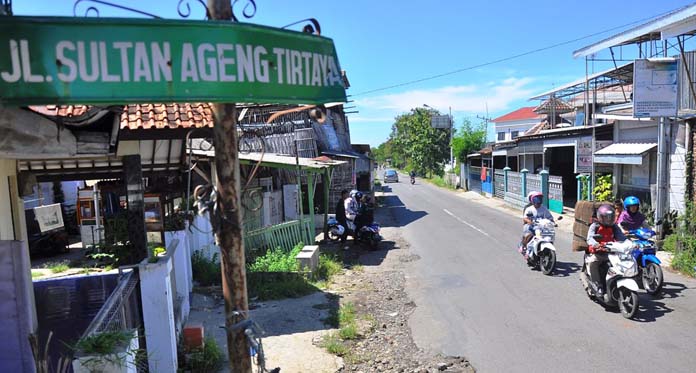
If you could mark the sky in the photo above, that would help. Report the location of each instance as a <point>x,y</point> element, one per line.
<point>385,43</point>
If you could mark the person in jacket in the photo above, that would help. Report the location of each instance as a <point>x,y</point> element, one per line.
<point>534,211</point>
<point>631,217</point>
<point>341,215</point>
<point>602,231</point>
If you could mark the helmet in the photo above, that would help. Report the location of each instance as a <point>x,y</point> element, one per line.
<point>358,195</point>
<point>631,201</point>
<point>605,215</point>
<point>353,192</point>
<point>535,197</point>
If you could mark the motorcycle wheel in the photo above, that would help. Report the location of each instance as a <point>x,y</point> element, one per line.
<point>628,302</point>
<point>374,243</point>
<point>547,261</point>
<point>652,278</point>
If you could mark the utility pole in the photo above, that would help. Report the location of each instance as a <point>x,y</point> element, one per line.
<point>229,232</point>
<point>451,137</point>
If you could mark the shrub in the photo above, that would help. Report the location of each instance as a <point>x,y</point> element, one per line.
<point>104,343</point>
<point>329,266</point>
<point>603,190</point>
<point>58,267</point>
<point>206,271</point>
<point>277,260</point>
<point>205,359</point>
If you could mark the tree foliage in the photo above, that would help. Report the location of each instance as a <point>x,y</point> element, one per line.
<point>414,144</point>
<point>468,139</point>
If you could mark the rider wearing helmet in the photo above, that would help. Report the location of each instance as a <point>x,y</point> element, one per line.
<point>603,230</point>
<point>535,210</point>
<point>631,218</point>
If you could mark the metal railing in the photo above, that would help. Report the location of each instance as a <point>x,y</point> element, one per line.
<point>120,312</point>
<point>285,235</point>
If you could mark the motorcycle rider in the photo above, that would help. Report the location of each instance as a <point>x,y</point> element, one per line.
<point>532,212</point>
<point>631,218</point>
<point>352,206</point>
<point>341,215</point>
<point>412,174</point>
<point>609,231</point>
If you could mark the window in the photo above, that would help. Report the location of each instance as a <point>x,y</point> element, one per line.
<point>515,134</point>
<point>640,176</point>
<point>501,136</point>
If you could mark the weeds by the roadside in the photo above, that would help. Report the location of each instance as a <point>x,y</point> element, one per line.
<point>334,345</point>
<point>345,318</point>
<point>439,181</point>
<point>205,359</point>
<point>206,271</point>
<point>35,274</point>
<point>58,267</point>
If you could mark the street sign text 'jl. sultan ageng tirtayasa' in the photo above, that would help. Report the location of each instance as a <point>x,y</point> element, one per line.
<point>56,60</point>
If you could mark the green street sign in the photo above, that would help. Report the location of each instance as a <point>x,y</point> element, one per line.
<point>60,60</point>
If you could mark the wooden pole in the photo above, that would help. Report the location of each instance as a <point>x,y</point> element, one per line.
<point>229,233</point>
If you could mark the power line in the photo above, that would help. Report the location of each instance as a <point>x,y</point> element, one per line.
<point>410,82</point>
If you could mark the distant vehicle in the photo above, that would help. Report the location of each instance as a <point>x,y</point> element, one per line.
<point>391,176</point>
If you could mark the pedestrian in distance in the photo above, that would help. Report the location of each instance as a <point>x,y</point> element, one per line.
<point>341,216</point>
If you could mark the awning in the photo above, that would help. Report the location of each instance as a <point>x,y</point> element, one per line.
<point>510,152</point>
<point>623,153</point>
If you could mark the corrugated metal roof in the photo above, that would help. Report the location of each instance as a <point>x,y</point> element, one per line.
<point>626,149</point>
<point>677,22</point>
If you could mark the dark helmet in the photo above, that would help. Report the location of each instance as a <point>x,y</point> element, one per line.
<point>606,215</point>
<point>358,196</point>
<point>631,201</point>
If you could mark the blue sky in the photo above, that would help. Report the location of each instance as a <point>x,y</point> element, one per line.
<point>383,43</point>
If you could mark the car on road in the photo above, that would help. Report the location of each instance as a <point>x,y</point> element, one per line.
<point>391,176</point>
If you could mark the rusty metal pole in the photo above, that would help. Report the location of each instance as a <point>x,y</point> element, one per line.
<point>229,233</point>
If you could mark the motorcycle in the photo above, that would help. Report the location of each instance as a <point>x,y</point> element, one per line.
<point>368,234</point>
<point>620,270</point>
<point>649,269</point>
<point>413,180</point>
<point>541,250</point>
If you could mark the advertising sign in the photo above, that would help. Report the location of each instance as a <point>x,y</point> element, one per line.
<point>583,154</point>
<point>655,88</point>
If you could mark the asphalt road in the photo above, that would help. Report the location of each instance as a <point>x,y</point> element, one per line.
<point>476,297</point>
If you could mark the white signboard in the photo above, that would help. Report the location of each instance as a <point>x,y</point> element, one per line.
<point>583,153</point>
<point>655,87</point>
<point>49,217</point>
<point>440,121</point>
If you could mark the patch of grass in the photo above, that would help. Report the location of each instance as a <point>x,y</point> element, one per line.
<point>685,261</point>
<point>358,268</point>
<point>346,314</point>
<point>329,266</point>
<point>439,181</point>
<point>277,260</point>
<point>35,274</point>
<point>58,267</point>
<point>334,345</point>
<point>205,359</point>
<point>104,343</point>
<point>293,287</point>
<point>348,332</point>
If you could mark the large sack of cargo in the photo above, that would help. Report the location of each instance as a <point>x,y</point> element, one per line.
<point>584,216</point>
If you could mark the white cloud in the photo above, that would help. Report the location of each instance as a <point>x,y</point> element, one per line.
<point>467,98</point>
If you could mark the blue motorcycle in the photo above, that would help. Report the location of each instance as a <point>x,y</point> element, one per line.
<point>649,265</point>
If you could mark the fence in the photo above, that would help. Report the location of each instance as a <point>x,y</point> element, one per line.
<point>499,184</point>
<point>120,312</point>
<point>556,194</point>
<point>514,187</point>
<point>475,179</point>
<point>285,235</point>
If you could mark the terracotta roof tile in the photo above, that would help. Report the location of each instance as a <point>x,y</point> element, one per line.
<point>147,116</point>
<point>519,114</point>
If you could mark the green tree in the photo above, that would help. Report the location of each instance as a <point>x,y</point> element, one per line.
<point>416,145</point>
<point>468,139</point>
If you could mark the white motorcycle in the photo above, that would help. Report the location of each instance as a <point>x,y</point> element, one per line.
<point>541,250</point>
<point>619,272</point>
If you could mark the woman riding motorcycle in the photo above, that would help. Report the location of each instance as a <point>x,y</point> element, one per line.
<point>535,211</point>
<point>609,231</point>
<point>631,218</point>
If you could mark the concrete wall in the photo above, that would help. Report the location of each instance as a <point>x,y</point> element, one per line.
<point>677,169</point>
<point>8,170</point>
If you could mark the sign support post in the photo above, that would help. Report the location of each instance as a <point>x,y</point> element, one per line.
<point>229,232</point>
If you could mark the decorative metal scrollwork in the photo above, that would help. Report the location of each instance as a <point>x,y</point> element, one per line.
<point>312,28</point>
<point>187,12</point>
<point>249,10</point>
<point>93,10</point>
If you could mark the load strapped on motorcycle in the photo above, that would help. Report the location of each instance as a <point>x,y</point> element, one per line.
<point>609,266</point>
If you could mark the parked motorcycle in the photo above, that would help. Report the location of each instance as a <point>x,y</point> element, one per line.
<point>368,234</point>
<point>619,272</point>
<point>649,269</point>
<point>541,250</point>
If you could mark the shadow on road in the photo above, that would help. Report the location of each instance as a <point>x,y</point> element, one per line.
<point>650,309</point>
<point>565,269</point>
<point>402,215</point>
<point>672,290</point>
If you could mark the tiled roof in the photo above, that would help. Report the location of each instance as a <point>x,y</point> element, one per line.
<point>61,110</point>
<point>553,104</point>
<point>519,114</point>
<point>147,116</point>
<point>144,116</point>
